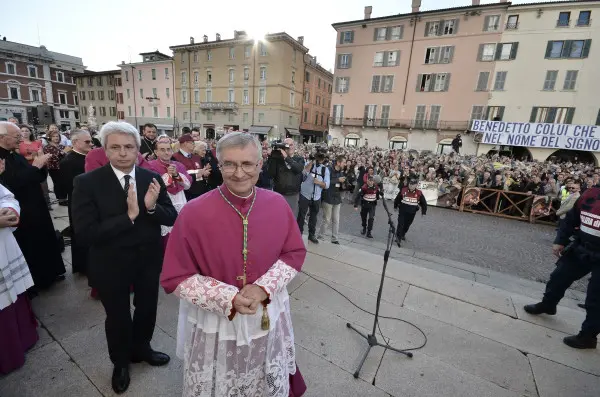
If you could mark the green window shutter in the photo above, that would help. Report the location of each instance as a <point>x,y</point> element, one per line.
<point>513,50</point>
<point>586,48</point>
<point>548,49</point>
<point>569,116</point>
<point>534,111</point>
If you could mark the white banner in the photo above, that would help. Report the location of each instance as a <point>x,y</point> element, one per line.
<point>541,135</point>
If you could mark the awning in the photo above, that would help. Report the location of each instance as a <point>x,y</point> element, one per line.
<point>292,131</point>
<point>259,129</point>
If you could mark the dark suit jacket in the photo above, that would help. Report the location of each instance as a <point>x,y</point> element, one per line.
<point>99,210</point>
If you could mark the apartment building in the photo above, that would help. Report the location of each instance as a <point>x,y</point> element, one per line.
<point>318,84</point>
<point>37,86</point>
<point>409,81</point>
<point>147,93</point>
<point>555,77</point>
<point>98,91</point>
<point>240,84</point>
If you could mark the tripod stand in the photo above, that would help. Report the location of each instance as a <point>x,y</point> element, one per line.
<point>372,338</point>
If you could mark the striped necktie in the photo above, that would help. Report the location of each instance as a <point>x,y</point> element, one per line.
<point>126,186</point>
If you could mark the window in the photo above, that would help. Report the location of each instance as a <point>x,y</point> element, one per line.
<point>245,117</point>
<point>247,74</point>
<point>155,111</point>
<point>431,82</point>
<point>15,92</point>
<point>482,81</point>
<point>494,112</point>
<point>568,49</point>
<point>112,111</point>
<point>120,98</point>
<point>126,75</point>
<point>246,98</point>
<point>231,117</point>
<point>292,99</point>
<point>82,95</point>
<point>196,96</point>
<point>140,74</point>
<point>92,95</point>
<point>387,58</point>
<point>322,117</point>
<point>380,34</point>
<point>231,52</point>
<point>182,57</point>
<point>168,92</point>
<point>111,81</point>
<point>305,116</point>
<point>290,120</point>
<point>183,78</point>
<point>166,73</point>
<point>338,114</point>
<point>307,77</point>
<point>195,56</point>
<point>318,100</point>
<point>183,96</point>
<point>598,118</point>
<point>512,22</point>
<point>443,54</point>
<point>382,83</point>
<point>99,81</point>
<point>128,110</point>
<point>263,72</point>
<point>344,61</point>
<point>491,23</point>
<point>306,96</point>
<point>247,50</point>
<point>499,52</point>
<point>370,115</point>
<point>552,115</point>
<point>62,98</point>
<point>486,52</point>
<point>185,115</point>
<point>294,54</point>
<point>231,95</point>
<point>60,77</point>
<point>32,70</point>
<point>347,37</point>
<point>441,28</point>
<point>168,112</point>
<point>63,114</point>
<point>316,118</point>
<point>128,93</point>
<point>420,116</point>
<point>208,95</point>
<point>100,95</point>
<point>208,55</point>
<point>11,68</point>
<point>111,95</point>
<point>262,93</point>
<point>477,112</point>
<point>103,111</point>
<point>141,93</point>
<point>564,19</point>
<point>293,77</point>
<point>500,81</point>
<point>196,115</point>
<point>584,18</point>
<point>231,75</point>
<point>90,81</point>
<point>75,99</point>
<point>396,32</point>
<point>385,116</point>
<point>319,83</point>
<point>76,114</point>
<point>209,116</point>
<point>570,80</point>
<point>434,116</point>
<point>261,117</point>
<point>342,84</point>
<point>263,49</point>
<point>208,77</point>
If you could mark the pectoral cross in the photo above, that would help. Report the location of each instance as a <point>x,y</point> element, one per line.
<point>243,278</point>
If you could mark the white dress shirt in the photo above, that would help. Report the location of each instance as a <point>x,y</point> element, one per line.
<point>121,176</point>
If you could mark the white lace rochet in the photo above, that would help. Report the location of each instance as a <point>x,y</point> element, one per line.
<point>224,358</point>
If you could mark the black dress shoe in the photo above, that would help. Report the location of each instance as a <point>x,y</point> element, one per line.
<point>369,235</point>
<point>363,231</point>
<point>154,358</point>
<point>335,242</point>
<point>313,239</point>
<point>403,238</point>
<point>120,379</point>
<point>581,341</point>
<point>540,308</point>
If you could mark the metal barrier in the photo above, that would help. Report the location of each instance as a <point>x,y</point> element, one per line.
<point>511,205</point>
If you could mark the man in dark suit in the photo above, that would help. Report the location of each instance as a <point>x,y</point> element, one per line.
<point>117,211</point>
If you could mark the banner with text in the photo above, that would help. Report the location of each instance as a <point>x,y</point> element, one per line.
<point>539,135</point>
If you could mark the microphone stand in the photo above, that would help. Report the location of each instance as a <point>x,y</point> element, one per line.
<point>372,338</point>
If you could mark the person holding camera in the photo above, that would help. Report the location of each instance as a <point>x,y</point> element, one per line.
<point>315,179</point>
<point>285,169</point>
<point>332,200</point>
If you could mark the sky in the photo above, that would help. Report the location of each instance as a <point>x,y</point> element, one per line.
<point>110,31</point>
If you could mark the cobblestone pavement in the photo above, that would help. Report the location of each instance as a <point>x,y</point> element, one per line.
<point>503,245</point>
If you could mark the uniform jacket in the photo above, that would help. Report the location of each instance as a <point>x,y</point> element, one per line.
<point>411,201</point>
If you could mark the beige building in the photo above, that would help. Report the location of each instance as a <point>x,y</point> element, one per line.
<point>316,100</point>
<point>98,89</point>
<point>240,84</point>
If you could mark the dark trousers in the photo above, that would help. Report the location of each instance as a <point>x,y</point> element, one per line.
<point>312,207</point>
<point>367,211</point>
<point>405,219</point>
<point>571,267</point>
<point>59,190</point>
<point>126,336</point>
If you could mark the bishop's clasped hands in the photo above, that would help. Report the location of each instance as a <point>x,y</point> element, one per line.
<point>249,299</point>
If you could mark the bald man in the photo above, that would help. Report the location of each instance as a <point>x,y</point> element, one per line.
<point>286,170</point>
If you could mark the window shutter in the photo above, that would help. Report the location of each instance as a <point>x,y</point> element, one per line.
<point>341,37</point>
<point>440,30</point>
<point>486,23</point>
<point>551,115</point>
<point>375,31</point>
<point>337,84</point>
<point>513,50</point>
<point>427,24</point>
<point>586,48</point>
<point>432,82</point>
<point>335,115</point>
<point>569,116</point>
<point>438,55</point>
<point>548,49</point>
<point>375,82</point>
<point>385,58</point>
<point>397,58</point>
<point>501,112</point>
<point>598,118</point>
<point>456,25</point>
<point>566,49</point>
<point>533,114</point>
<point>402,31</point>
<point>339,60</point>
<point>352,41</point>
<point>388,33</point>
<point>487,113</point>
<point>447,87</point>
<point>366,114</point>
<point>349,61</point>
<point>451,55</point>
<point>498,52</point>
<point>347,84</point>
<point>480,52</point>
<point>419,78</point>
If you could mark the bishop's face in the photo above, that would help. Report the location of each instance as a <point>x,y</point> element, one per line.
<point>240,168</point>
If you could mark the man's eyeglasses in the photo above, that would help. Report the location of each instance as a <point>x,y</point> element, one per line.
<point>228,167</point>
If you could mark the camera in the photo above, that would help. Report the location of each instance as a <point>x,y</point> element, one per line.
<point>280,145</point>
<point>320,154</point>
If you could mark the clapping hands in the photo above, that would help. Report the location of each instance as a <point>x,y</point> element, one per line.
<point>249,299</point>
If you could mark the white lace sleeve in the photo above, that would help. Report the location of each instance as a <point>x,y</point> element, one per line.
<point>276,278</point>
<point>209,294</point>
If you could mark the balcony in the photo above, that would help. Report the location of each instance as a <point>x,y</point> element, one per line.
<point>219,106</point>
<point>512,26</point>
<point>397,123</point>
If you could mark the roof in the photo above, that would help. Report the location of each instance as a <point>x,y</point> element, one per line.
<point>311,61</point>
<point>38,52</point>
<point>155,53</point>
<point>550,3</point>
<point>243,39</point>
<point>88,73</point>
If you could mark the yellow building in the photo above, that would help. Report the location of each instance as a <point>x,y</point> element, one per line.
<point>240,84</point>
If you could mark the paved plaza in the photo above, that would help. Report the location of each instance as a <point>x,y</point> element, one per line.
<point>479,340</point>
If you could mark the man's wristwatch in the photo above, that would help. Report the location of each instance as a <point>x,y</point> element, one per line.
<point>152,210</point>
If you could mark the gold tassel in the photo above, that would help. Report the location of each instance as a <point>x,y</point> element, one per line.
<point>265,323</point>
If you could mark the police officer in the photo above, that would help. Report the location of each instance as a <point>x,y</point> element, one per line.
<point>581,226</point>
<point>407,202</point>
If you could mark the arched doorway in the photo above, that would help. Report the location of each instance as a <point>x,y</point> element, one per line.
<point>352,140</point>
<point>210,133</point>
<point>444,146</point>
<point>516,152</point>
<point>573,156</point>
<point>398,143</point>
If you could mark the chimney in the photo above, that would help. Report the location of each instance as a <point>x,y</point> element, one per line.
<point>191,40</point>
<point>416,5</point>
<point>503,1</point>
<point>205,38</point>
<point>218,37</point>
<point>301,40</point>
<point>475,2</point>
<point>122,62</point>
<point>368,11</point>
